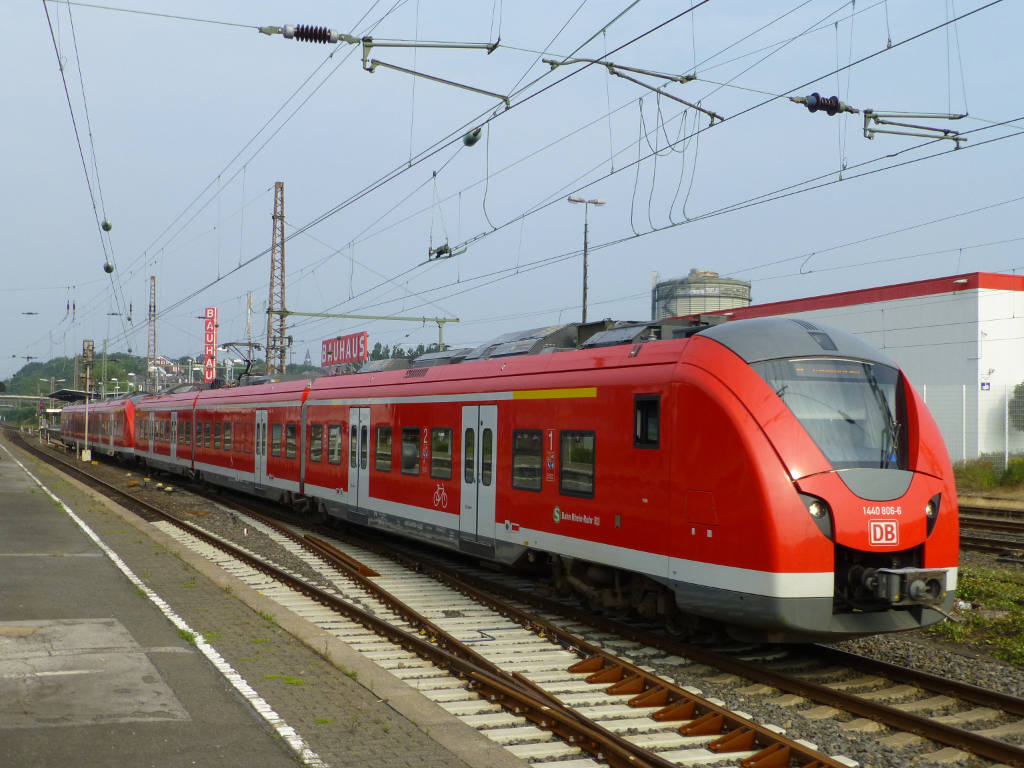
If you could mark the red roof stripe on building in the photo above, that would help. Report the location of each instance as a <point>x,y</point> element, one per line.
<point>932,287</point>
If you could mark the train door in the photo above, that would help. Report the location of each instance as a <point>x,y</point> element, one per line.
<point>479,433</point>
<point>358,456</point>
<point>259,448</point>
<point>151,448</point>
<point>174,435</point>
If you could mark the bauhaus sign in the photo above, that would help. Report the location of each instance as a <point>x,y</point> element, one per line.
<point>345,349</point>
<point>210,344</point>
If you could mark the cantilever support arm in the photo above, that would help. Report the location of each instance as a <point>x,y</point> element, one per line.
<point>923,131</point>
<point>374,63</point>
<point>619,69</point>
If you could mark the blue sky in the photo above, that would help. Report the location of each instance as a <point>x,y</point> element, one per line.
<point>189,123</point>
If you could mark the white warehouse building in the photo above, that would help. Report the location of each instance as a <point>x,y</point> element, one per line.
<point>959,339</point>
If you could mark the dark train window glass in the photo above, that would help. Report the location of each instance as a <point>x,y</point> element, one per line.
<point>526,459</point>
<point>469,451</point>
<point>290,431</point>
<point>316,443</point>
<point>486,459</point>
<point>227,436</point>
<point>353,446</point>
<point>441,453</point>
<point>206,434</point>
<point>410,450</point>
<point>855,411</point>
<point>216,436</point>
<point>382,456</point>
<point>334,444</point>
<point>645,421</point>
<point>576,464</point>
<point>364,445</point>
<point>275,439</point>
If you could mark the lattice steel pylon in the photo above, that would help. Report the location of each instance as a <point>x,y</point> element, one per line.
<point>277,349</point>
<point>151,380</point>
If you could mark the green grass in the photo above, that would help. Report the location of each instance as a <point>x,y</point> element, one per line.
<point>987,472</point>
<point>323,720</point>
<point>288,679</point>
<point>261,639</point>
<point>995,623</point>
<point>188,637</point>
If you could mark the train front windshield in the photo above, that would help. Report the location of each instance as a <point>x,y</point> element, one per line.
<point>853,410</point>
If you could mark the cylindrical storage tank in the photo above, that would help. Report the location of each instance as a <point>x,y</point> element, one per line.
<point>700,292</point>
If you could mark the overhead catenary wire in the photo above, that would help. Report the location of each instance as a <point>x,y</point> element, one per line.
<point>439,145</point>
<point>504,273</point>
<point>520,219</point>
<point>447,141</point>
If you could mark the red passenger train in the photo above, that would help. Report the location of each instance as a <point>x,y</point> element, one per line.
<point>776,476</point>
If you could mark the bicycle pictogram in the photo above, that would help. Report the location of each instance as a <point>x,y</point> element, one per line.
<point>440,497</point>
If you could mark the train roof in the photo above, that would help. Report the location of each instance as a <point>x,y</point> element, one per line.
<point>109,404</point>
<point>792,337</point>
<point>602,345</point>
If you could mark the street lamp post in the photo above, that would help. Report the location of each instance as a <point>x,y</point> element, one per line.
<point>117,385</point>
<point>586,209</point>
<point>131,382</point>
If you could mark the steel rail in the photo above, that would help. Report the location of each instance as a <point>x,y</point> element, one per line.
<point>622,677</point>
<point>960,738</point>
<point>989,523</point>
<point>1013,705</point>
<point>990,545</point>
<point>511,692</point>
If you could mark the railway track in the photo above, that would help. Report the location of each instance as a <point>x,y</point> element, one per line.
<point>523,684</point>
<point>626,696</point>
<point>997,530</point>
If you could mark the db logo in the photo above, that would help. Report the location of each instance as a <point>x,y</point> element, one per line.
<point>885,533</point>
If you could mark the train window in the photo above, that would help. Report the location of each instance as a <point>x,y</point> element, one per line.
<point>441,453</point>
<point>469,449</point>
<point>487,459</point>
<point>275,439</point>
<point>645,421</point>
<point>316,443</point>
<point>353,446</point>
<point>227,435</point>
<point>382,457</point>
<point>410,450</point>
<point>206,434</point>
<point>216,436</point>
<point>290,431</point>
<point>526,451</point>
<point>364,445</point>
<point>334,444</point>
<point>183,436</point>
<point>576,460</point>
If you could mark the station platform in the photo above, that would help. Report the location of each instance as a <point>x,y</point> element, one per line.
<point>117,648</point>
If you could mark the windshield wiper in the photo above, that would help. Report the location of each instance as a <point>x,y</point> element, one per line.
<point>890,432</point>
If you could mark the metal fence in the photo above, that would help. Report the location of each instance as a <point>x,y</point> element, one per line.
<point>977,422</point>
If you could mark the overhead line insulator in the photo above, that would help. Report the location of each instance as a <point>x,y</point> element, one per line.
<point>830,105</point>
<point>310,34</point>
<point>307,33</point>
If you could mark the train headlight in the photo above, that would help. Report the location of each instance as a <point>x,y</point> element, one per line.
<point>820,513</point>
<point>931,511</point>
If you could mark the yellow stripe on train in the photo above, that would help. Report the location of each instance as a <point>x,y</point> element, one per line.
<point>554,394</point>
